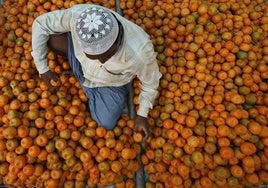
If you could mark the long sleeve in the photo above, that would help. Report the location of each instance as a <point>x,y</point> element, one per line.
<point>141,56</point>
<point>54,22</point>
<point>149,76</point>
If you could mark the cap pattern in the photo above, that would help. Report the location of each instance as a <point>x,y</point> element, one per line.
<point>97,29</point>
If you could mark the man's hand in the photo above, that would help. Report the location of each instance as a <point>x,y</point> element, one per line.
<point>141,123</point>
<point>51,79</point>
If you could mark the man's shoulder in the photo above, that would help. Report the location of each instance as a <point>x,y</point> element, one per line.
<point>133,31</point>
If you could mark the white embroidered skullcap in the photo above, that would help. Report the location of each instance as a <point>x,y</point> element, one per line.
<point>97,30</point>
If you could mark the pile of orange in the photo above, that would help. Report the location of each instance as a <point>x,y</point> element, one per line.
<point>210,120</point>
<point>209,123</point>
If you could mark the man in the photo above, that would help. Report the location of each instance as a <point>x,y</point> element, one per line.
<point>106,52</point>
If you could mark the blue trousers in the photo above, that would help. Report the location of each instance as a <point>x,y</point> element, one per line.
<point>106,104</point>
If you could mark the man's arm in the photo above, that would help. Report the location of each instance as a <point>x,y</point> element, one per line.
<point>149,76</point>
<point>54,22</point>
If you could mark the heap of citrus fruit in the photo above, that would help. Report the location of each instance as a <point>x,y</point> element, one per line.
<point>209,122</point>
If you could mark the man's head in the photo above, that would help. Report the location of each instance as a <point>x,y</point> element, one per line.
<point>97,30</point>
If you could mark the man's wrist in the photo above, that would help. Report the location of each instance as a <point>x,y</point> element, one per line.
<point>143,111</point>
